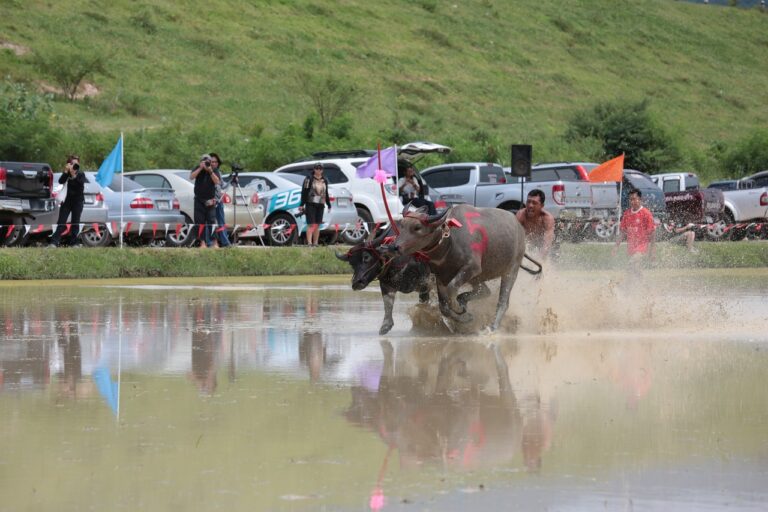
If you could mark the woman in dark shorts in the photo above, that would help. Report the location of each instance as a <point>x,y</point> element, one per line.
<point>314,199</point>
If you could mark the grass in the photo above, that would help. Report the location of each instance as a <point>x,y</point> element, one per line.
<point>108,263</point>
<point>519,70</point>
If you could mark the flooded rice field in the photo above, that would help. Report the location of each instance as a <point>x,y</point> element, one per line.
<point>598,393</point>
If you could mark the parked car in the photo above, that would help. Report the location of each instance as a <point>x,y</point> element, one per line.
<point>491,186</point>
<point>724,184</point>
<point>277,200</point>
<point>178,181</point>
<point>95,211</point>
<point>343,214</point>
<point>143,209</point>
<point>687,202</point>
<point>340,168</point>
<point>26,191</point>
<point>749,201</point>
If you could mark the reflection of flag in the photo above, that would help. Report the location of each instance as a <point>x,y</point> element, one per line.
<point>388,164</point>
<point>107,388</point>
<point>112,164</point>
<point>612,170</point>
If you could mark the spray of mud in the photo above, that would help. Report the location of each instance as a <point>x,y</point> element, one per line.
<point>603,301</point>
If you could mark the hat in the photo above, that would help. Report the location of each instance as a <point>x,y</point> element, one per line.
<point>206,156</point>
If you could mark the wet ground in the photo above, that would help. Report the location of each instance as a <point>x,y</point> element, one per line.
<point>280,395</point>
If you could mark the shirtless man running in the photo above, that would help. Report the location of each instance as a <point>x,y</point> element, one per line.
<point>538,223</point>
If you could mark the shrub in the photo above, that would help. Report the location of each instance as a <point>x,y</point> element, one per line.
<point>70,66</point>
<point>331,97</point>
<point>747,156</point>
<point>629,128</point>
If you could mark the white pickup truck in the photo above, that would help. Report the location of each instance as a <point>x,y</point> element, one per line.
<point>749,201</point>
<point>489,185</point>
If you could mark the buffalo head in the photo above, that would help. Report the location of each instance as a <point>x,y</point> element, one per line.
<point>366,260</point>
<point>418,231</point>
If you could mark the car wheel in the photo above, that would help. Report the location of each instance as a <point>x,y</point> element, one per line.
<point>91,239</point>
<point>280,232</point>
<point>605,230</point>
<point>357,233</point>
<point>716,230</point>
<point>18,235</point>
<point>185,237</point>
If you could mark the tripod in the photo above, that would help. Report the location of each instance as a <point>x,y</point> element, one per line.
<point>237,189</point>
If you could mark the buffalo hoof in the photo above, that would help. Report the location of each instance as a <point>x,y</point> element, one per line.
<point>464,317</point>
<point>385,328</point>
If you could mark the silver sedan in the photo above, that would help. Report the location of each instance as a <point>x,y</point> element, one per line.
<point>147,213</point>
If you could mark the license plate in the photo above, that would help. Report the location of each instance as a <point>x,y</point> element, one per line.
<point>163,205</point>
<point>342,201</point>
<point>89,200</point>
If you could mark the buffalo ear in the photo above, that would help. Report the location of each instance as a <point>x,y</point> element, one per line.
<point>342,257</point>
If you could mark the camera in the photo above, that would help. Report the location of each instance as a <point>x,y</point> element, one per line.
<point>76,167</point>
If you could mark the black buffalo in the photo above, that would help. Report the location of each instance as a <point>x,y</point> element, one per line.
<point>402,274</point>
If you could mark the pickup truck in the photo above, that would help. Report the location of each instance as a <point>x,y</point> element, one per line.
<point>26,190</point>
<point>688,203</point>
<point>605,205</point>
<point>749,202</point>
<point>489,185</point>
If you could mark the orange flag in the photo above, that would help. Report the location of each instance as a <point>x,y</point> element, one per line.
<point>612,170</point>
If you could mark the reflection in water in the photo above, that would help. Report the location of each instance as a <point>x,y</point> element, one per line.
<point>450,404</point>
<point>205,346</point>
<point>69,345</point>
<point>318,410</point>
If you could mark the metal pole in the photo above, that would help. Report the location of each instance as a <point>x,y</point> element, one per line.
<point>122,187</point>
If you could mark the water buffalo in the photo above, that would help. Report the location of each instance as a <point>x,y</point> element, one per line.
<point>466,245</point>
<point>395,274</point>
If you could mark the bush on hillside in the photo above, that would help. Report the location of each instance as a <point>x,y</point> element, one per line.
<point>68,67</point>
<point>747,156</point>
<point>629,128</point>
<point>330,96</point>
<point>26,133</point>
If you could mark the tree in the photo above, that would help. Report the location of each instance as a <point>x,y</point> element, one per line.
<point>329,96</point>
<point>629,128</point>
<point>68,68</point>
<point>747,156</point>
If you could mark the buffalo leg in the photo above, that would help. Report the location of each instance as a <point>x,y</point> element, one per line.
<point>479,291</point>
<point>424,295</point>
<point>388,296</point>
<point>505,288</point>
<point>458,311</point>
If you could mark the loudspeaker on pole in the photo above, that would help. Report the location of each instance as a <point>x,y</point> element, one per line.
<point>521,160</point>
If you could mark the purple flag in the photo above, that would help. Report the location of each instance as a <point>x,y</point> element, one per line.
<point>388,164</point>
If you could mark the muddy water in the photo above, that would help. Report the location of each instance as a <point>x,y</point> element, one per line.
<point>280,395</point>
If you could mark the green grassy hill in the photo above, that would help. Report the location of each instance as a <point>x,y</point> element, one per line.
<point>517,70</point>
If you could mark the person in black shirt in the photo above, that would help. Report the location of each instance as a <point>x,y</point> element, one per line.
<point>75,180</point>
<point>205,199</point>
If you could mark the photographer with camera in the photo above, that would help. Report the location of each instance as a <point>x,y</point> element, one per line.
<point>314,198</point>
<point>75,181</point>
<point>205,199</point>
<point>222,237</point>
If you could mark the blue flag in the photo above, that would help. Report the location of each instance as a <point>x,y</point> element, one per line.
<point>112,164</point>
<point>107,388</point>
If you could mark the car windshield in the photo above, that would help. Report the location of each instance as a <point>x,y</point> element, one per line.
<point>639,181</point>
<point>128,184</point>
